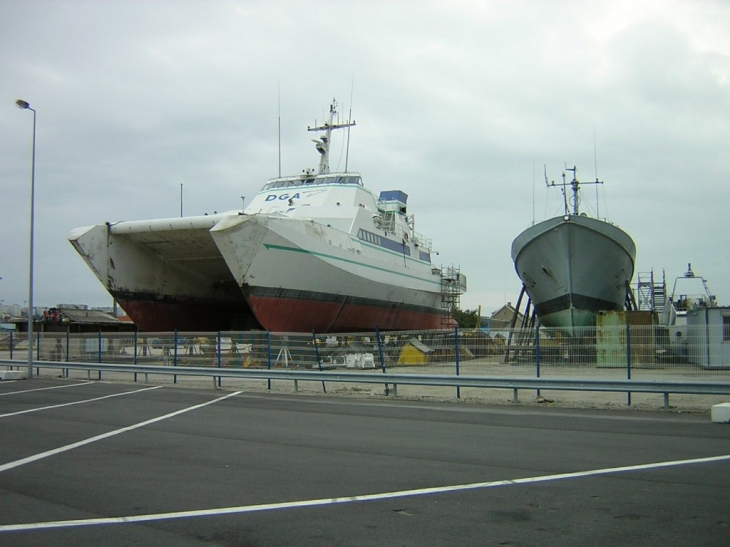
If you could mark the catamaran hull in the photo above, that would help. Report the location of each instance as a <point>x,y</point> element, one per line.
<point>241,272</point>
<point>572,267</point>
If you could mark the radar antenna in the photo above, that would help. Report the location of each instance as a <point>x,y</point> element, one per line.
<point>574,185</point>
<point>323,143</point>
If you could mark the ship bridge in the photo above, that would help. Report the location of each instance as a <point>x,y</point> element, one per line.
<point>286,195</point>
<point>308,180</point>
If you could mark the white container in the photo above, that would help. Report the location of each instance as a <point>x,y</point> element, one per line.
<point>359,360</point>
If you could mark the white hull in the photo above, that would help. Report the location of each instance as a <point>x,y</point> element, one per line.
<point>306,256</point>
<point>289,274</point>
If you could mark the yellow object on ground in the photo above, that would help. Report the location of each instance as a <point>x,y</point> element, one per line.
<point>411,355</point>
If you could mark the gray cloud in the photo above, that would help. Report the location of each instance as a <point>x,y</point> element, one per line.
<point>460,104</point>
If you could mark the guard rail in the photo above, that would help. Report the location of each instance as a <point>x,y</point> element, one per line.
<point>376,377</point>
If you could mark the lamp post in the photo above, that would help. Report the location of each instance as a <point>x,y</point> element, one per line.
<point>25,105</point>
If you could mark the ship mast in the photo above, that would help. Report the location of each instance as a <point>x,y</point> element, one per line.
<point>323,143</point>
<point>575,185</point>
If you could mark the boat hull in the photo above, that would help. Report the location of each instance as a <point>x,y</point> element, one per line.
<point>572,267</point>
<point>242,272</point>
<point>302,276</point>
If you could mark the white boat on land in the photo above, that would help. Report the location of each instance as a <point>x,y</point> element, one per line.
<point>573,266</point>
<point>690,293</point>
<point>313,252</point>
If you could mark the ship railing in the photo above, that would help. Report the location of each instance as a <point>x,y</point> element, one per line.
<point>421,242</point>
<point>629,354</point>
<point>403,232</point>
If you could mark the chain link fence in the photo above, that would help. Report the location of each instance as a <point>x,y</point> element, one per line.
<point>646,352</point>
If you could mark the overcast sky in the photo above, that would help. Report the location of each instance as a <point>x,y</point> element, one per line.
<point>458,103</point>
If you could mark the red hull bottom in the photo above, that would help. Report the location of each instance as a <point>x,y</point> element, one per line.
<point>151,316</point>
<point>278,314</point>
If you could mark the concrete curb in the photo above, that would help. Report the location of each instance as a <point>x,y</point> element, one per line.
<point>13,375</point>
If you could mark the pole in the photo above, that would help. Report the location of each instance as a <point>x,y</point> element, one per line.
<point>628,359</point>
<point>26,106</point>
<point>268,355</point>
<point>319,359</point>
<point>382,357</point>
<point>174,357</point>
<point>456,338</point>
<point>537,352</point>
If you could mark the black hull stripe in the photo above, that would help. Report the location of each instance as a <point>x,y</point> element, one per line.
<point>577,301</point>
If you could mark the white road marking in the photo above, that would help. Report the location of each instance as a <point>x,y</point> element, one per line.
<point>348,499</point>
<point>44,388</point>
<point>42,455</point>
<point>77,402</point>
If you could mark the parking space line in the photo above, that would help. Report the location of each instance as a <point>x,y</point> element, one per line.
<point>45,388</point>
<point>351,499</point>
<point>49,453</point>
<point>77,402</point>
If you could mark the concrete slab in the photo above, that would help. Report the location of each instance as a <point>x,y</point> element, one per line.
<point>13,375</point>
<point>721,413</point>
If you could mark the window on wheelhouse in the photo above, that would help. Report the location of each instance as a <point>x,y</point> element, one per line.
<point>309,180</point>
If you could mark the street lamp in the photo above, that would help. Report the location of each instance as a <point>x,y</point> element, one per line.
<point>25,105</point>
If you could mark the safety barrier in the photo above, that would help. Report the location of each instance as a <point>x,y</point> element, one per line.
<point>619,358</point>
<point>391,379</point>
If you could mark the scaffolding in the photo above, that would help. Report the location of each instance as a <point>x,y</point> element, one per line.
<point>652,294</point>
<point>453,284</point>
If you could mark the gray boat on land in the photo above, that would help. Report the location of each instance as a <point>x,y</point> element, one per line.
<point>573,266</point>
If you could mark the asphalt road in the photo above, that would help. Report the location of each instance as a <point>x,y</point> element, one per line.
<point>115,464</point>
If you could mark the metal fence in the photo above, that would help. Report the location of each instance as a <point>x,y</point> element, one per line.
<point>647,352</point>
<point>638,359</point>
